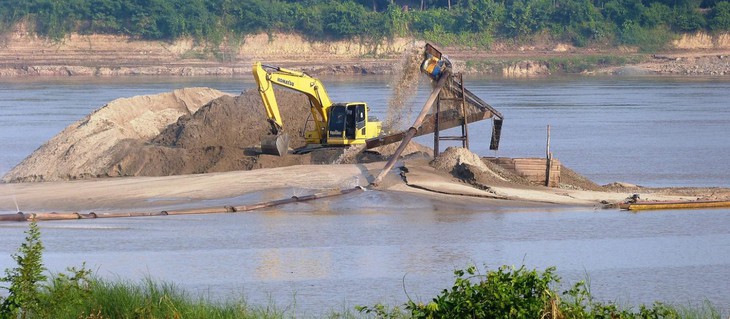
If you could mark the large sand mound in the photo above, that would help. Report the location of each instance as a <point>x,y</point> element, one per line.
<point>221,136</point>
<point>193,130</point>
<point>187,131</point>
<point>85,148</point>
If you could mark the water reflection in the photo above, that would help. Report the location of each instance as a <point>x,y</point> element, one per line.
<point>362,249</point>
<point>362,256</point>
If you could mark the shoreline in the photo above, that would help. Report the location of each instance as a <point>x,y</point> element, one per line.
<point>195,191</point>
<point>683,64</point>
<point>24,54</point>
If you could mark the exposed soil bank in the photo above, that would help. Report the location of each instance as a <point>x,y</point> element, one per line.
<point>24,54</point>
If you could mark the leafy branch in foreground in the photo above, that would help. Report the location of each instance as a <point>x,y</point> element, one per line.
<point>511,292</point>
<point>24,295</point>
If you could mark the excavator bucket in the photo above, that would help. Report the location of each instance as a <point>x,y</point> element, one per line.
<point>434,63</point>
<point>277,145</point>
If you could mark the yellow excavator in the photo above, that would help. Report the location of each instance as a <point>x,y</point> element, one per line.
<point>335,124</point>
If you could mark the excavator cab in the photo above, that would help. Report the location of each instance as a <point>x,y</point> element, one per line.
<point>349,124</point>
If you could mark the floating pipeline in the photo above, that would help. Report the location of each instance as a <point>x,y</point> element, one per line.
<point>20,216</point>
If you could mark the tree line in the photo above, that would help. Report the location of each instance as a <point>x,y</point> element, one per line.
<point>471,22</point>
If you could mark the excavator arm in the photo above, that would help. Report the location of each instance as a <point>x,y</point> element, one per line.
<point>267,96</point>
<point>297,81</point>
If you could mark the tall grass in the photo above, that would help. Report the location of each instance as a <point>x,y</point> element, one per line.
<point>99,298</point>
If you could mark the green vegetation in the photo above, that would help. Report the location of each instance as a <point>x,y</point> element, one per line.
<point>507,292</point>
<point>24,296</point>
<point>558,64</point>
<point>519,293</point>
<point>648,23</point>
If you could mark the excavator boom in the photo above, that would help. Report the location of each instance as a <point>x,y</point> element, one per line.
<point>295,80</point>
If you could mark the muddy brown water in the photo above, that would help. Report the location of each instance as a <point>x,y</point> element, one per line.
<point>355,250</point>
<point>369,248</point>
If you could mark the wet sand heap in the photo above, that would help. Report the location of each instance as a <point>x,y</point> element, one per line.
<point>187,131</point>
<point>192,130</point>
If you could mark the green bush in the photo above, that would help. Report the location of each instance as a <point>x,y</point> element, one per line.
<point>65,293</point>
<point>24,292</point>
<point>510,292</point>
<point>507,292</point>
<point>344,20</point>
<point>527,17</point>
<point>657,14</point>
<point>478,16</point>
<point>687,19</point>
<point>719,19</point>
<point>648,40</point>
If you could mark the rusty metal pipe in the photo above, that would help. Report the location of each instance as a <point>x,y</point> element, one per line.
<point>53,216</point>
<point>207,210</point>
<point>19,217</point>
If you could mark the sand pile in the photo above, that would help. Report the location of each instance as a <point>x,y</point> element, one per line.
<point>482,173</point>
<point>221,136</point>
<point>193,130</point>
<point>465,165</point>
<point>84,148</point>
<point>187,131</point>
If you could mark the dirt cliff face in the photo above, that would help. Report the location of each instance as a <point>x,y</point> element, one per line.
<point>22,53</point>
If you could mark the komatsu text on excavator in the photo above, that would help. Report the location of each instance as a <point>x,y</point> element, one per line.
<point>334,123</point>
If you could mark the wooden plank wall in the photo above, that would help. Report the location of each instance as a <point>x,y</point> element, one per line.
<point>533,169</point>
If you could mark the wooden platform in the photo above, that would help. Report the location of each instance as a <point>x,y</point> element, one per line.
<point>533,169</point>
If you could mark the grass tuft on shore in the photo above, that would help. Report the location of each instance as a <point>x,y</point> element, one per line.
<point>96,298</point>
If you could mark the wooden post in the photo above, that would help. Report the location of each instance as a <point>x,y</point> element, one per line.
<point>548,159</point>
<point>547,148</point>
<point>548,171</point>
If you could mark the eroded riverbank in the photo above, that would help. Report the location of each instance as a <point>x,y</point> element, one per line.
<point>23,54</point>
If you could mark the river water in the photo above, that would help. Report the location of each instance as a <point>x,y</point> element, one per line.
<point>372,247</point>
